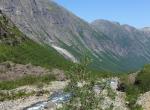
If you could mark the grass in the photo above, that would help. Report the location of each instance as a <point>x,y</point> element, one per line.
<point>111,93</point>
<point>140,86</point>
<point>27,80</point>
<point>13,96</point>
<point>30,52</point>
<point>16,47</point>
<point>144,79</point>
<point>84,97</point>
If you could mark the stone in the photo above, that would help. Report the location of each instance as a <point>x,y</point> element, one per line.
<point>50,106</point>
<point>40,93</point>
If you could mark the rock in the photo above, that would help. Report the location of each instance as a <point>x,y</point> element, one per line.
<point>4,67</point>
<point>132,78</point>
<point>97,89</point>
<point>81,84</point>
<point>40,93</point>
<point>144,101</point>
<point>119,102</point>
<point>25,102</point>
<point>20,104</point>
<point>114,83</point>
<point>60,76</point>
<point>121,87</point>
<point>50,106</point>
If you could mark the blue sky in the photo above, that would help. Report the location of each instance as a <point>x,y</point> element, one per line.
<point>132,12</point>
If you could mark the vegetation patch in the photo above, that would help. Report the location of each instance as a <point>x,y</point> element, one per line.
<point>13,96</point>
<point>16,47</point>
<point>143,79</point>
<point>27,80</point>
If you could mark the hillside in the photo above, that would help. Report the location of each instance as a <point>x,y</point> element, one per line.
<point>111,47</point>
<point>48,23</point>
<point>16,47</point>
<point>130,45</point>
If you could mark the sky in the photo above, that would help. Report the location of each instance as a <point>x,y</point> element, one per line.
<point>132,12</point>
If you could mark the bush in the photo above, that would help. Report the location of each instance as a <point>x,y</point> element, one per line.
<point>143,79</point>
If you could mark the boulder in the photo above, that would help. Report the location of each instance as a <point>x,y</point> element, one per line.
<point>50,106</point>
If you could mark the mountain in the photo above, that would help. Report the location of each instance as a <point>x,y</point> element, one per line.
<point>127,42</point>
<point>111,47</point>
<point>146,30</point>
<point>17,47</point>
<point>47,23</point>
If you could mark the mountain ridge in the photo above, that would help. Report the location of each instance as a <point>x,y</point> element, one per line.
<point>48,23</point>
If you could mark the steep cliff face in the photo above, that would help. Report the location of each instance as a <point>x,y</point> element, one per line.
<point>111,46</point>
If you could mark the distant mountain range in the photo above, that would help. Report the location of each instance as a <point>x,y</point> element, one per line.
<point>111,46</point>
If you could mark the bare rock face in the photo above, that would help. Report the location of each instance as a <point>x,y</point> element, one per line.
<point>112,46</point>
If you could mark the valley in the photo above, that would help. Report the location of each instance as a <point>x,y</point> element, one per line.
<point>50,59</point>
<point>111,46</point>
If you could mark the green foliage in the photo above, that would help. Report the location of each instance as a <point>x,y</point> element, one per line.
<point>132,94</point>
<point>31,52</point>
<point>137,107</point>
<point>111,93</point>
<point>16,47</point>
<point>141,86</point>
<point>84,97</point>
<point>27,80</point>
<point>144,79</point>
<point>13,96</point>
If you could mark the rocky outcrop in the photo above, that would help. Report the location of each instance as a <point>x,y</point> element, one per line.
<point>144,101</point>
